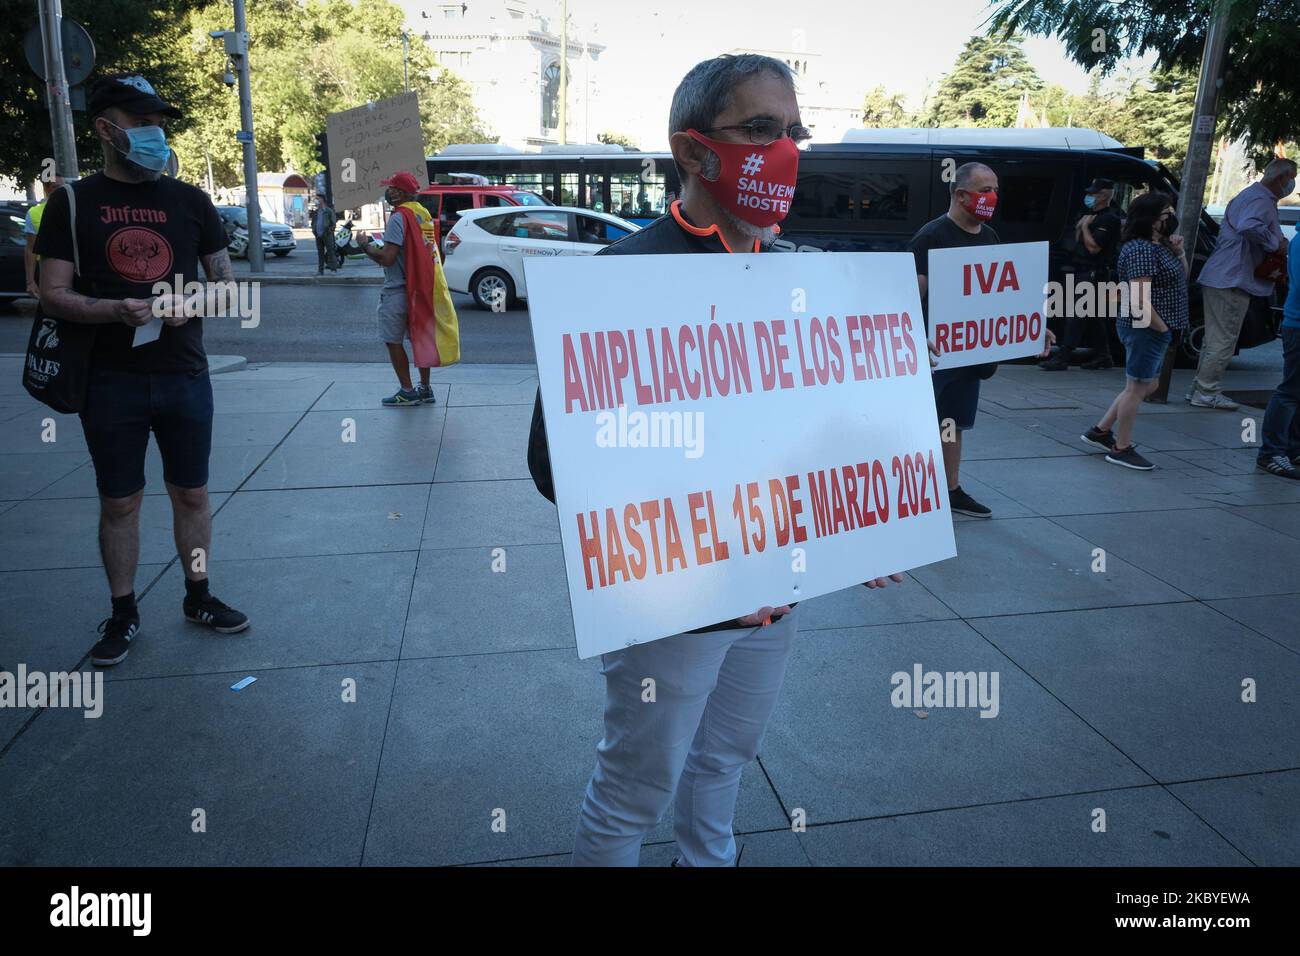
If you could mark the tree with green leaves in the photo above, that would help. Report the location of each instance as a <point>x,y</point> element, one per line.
<point>129,35</point>
<point>882,109</point>
<point>1262,69</point>
<point>616,139</point>
<point>985,85</point>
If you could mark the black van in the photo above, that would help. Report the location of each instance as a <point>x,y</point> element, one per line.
<point>871,194</point>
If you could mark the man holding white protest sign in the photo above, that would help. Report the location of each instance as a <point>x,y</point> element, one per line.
<point>658,541</point>
<point>981,306</point>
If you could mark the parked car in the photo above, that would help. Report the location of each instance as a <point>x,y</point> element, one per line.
<point>446,202</point>
<point>277,237</point>
<point>484,253</point>
<point>13,278</point>
<point>1288,216</point>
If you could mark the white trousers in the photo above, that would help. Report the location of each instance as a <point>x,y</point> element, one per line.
<point>713,694</point>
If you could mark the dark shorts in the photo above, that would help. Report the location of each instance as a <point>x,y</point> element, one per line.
<point>1144,352</point>
<point>957,395</point>
<point>123,407</point>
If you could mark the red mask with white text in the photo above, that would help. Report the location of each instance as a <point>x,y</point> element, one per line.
<point>980,205</point>
<point>756,183</point>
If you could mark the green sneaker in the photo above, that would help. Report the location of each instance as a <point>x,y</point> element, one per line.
<point>402,398</point>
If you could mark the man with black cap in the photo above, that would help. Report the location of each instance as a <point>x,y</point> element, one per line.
<point>134,231</point>
<point>1095,248</point>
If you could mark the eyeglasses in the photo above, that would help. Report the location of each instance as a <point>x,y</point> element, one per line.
<point>764,131</point>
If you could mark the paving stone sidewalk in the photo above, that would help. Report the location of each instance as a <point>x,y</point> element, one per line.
<point>370,562</point>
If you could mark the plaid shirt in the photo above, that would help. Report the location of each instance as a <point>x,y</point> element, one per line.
<point>1141,257</point>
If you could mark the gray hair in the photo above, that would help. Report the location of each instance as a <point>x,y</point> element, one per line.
<point>706,91</point>
<point>1278,168</point>
<point>965,173</point>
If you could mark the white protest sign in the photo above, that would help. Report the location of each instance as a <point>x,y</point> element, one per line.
<point>371,143</point>
<point>729,432</point>
<point>987,303</point>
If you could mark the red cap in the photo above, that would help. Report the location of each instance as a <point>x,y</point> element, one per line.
<point>403,181</point>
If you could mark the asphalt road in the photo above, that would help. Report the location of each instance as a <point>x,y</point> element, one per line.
<point>303,323</point>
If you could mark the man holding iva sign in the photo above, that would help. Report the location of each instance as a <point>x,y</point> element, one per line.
<point>965,297</point>
<point>734,128</point>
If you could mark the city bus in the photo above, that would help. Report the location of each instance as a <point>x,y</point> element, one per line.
<point>629,184</point>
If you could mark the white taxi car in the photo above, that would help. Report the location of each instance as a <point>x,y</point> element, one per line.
<point>484,253</point>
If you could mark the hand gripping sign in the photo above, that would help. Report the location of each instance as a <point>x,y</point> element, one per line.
<point>733,431</point>
<point>988,303</point>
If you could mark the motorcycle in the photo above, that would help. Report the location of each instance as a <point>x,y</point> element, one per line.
<point>345,243</point>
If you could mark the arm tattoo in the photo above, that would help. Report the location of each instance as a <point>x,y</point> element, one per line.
<point>218,266</point>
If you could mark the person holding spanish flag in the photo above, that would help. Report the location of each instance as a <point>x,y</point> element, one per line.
<point>414,302</point>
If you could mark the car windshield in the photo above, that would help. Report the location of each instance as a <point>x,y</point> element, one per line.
<point>237,214</point>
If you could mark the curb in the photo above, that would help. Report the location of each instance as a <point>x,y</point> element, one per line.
<point>226,363</point>
<point>309,279</point>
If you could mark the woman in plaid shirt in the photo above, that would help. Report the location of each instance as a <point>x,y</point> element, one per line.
<point>1154,267</point>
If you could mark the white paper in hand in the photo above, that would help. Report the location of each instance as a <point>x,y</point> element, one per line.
<point>144,334</point>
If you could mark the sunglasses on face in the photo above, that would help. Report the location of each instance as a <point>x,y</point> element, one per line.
<point>761,132</point>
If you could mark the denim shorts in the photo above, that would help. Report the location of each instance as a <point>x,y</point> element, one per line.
<point>957,394</point>
<point>123,407</point>
<point>1144,351</point>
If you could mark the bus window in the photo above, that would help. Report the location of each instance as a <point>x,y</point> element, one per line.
<point>884,196</point>
<point>1025,198</point>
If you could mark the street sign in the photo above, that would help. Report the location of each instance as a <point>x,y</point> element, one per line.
<point>78,52</point>
<point>244,136</point>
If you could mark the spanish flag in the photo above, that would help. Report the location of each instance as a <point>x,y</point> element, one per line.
<point>435,330</point>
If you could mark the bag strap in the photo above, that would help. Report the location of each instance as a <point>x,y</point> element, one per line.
<point>72,219</point>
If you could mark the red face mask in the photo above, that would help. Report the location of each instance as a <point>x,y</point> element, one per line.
<point>980,205</point>
<point>756,183</point>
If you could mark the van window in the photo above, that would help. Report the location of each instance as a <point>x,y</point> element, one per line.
<point>884,197</point>
<point>1025,198</point>
<point>492,199</point>
<point>453,204</point>
<point>824,195</point>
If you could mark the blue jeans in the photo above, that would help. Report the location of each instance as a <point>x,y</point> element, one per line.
<point>714,694</point>
<point>1281,429</point>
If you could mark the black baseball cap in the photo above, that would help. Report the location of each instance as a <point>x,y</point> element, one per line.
<point>130,92</point>
<point>1098,184</point>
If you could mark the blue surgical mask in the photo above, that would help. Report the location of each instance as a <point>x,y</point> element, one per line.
<point>1090,201</point>
<point>1288,187</point>
<point>148,146</point>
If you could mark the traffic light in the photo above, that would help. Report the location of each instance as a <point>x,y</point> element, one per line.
<point>323,156</point>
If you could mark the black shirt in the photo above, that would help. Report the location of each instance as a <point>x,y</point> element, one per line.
<point>943,233</point>
<point>129,237</point>
<point>1105,229</point>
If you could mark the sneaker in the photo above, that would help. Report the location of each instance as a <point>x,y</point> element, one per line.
<point>1280,465</point>
<point>1054,365</point>
<point>1201,399</point>
<point>1129,458</point>
<point>116,642</point>
<point>1105,440</point>
<point>426,394</point>
<point>220,617</point>
<point>1098,364</point>
<point>402,398</point>
<point>963,503</point>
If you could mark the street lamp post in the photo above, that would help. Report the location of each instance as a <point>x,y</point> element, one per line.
<point>236,46</point>
<point>56,85</point>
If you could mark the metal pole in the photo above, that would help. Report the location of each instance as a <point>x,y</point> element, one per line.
<point>564,72</point>
<point>1191,194</point>
<point>406,76</point>
<point>256,258</point>
<point>56,84</point>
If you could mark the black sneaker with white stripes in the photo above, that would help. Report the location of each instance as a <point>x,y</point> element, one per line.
<point>1280,465</point>
<point>116,642</point>
<point>216,615</point>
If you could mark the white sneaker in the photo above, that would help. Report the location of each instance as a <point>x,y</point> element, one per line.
<point>1203,400</point>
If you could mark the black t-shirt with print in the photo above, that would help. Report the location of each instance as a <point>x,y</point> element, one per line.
<point>129,237</point>
<point>943,233</point>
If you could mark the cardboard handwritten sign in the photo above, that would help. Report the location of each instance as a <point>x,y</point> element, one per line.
<point>988,303</point>
<point>370,143</point>
<point>733,431</point>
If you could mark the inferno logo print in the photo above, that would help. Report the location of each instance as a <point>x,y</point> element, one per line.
<point>138,254</point>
